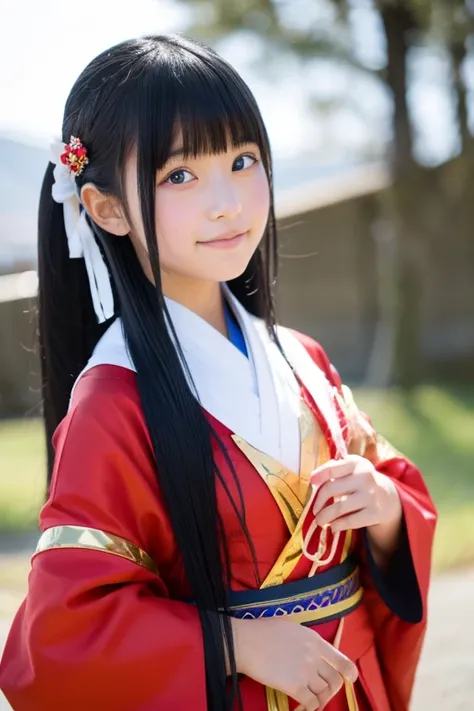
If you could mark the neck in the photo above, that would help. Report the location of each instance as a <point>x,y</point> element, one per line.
<point>203,297</point>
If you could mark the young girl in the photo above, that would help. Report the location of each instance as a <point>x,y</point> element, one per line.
<point>211,480</point>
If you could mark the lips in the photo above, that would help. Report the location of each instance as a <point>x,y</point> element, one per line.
<point>225,237</point>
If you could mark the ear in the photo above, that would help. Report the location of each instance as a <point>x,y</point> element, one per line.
<point>105,210</point>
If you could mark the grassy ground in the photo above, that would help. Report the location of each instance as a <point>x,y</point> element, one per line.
<point>435,428</point>
<point>22,473</point>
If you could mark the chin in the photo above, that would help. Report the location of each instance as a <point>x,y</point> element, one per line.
<point>227,271</point>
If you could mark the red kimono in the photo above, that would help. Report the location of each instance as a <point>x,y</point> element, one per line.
<point>104,624</point>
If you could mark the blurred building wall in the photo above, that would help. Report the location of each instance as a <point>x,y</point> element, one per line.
<point>19,367</point>
<point>335,261</point>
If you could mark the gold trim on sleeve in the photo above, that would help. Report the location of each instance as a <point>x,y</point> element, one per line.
<point>93,539</point>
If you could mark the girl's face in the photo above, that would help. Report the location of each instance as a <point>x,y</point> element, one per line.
<point>211,213</point>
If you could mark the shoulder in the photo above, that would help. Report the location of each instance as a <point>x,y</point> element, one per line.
<point>103,398</point>
<point>103,383</point>
<point>104,466</point>
<point>104,469</point>
<point>104,428</point>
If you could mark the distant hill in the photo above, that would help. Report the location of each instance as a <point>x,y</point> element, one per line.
<point>22,166</point>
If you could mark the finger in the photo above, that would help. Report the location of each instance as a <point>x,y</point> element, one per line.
<point>317,684</point>
<point>359,519</point>
<point>325,698</point>
<point>310,701</point>
<point>342,507</point>
<point>338,468</point>
<point>331,489</point>
<point>334,469</point>
<point>326,683</point>
<point>340,663</point>
<point>360,478</point>
<point>333,679</point>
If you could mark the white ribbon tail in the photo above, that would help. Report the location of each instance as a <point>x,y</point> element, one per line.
<point>72,218</point>
<point>80,237</point>
<point>99,278</point>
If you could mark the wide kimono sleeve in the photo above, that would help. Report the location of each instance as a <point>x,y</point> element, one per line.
<point>98,629</point>
<point>396,598</point>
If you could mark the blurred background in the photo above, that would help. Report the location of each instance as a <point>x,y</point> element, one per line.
<point>370,109</point>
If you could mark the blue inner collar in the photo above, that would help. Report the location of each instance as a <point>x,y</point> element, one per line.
<point>236,337</point>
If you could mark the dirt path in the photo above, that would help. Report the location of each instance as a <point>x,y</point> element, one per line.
<point>446,676</point>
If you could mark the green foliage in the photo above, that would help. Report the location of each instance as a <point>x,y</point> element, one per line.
<point>434,428</point>
<point>303,29</point>
<point>22,473</point>
<point>307,29</point>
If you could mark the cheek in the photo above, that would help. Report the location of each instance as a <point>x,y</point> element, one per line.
<point>175,225</point>
<point>257,203</point>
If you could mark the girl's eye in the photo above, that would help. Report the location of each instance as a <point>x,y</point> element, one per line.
<point>244,162</point>
<point>180,177</point>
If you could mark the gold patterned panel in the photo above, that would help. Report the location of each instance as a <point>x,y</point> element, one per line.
<point>291,491</point>
<point>314,453</point>
<point>287,488</point>
<point>94,539</point>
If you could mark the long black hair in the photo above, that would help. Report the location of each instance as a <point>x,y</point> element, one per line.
<point>135,95</point>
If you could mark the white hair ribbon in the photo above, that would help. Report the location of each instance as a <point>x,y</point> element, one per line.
<point>80,237</point>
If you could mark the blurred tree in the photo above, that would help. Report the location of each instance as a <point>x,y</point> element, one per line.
<point>452,25</point>
<point>311,29</point>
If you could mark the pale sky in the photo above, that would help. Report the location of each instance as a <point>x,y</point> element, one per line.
<point>45,44</point>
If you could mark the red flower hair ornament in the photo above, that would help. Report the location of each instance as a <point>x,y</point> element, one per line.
<point>75,156</point>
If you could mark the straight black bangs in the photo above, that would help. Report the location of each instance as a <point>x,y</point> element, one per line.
<point>192,99</point>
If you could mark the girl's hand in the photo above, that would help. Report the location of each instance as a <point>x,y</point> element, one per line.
<point>362,496</point>
<point>292,659</point>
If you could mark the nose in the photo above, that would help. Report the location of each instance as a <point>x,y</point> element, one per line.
<point>225,201</point>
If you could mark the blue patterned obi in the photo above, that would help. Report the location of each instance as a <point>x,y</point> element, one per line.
<point>321,598</point>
